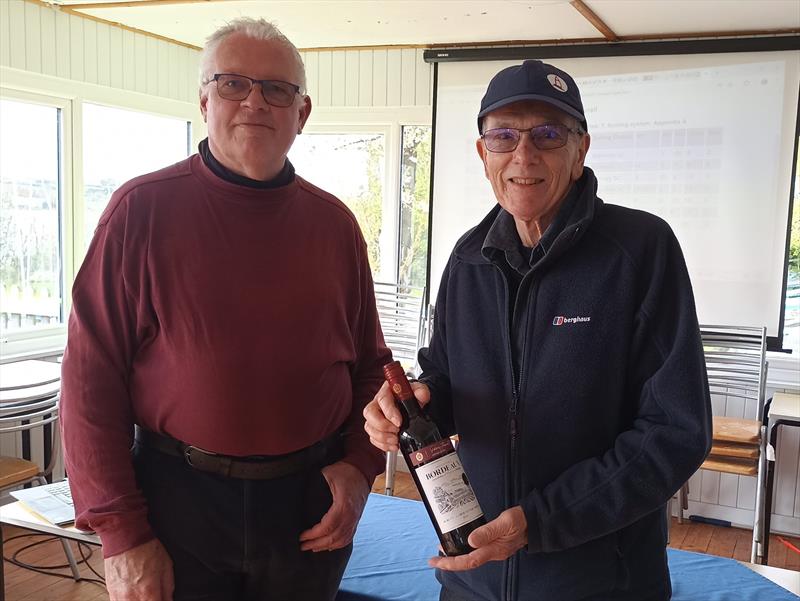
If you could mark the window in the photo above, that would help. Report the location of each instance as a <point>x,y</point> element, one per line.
<point>31,190</point>
<point>120,144</point>
<point>351,166</point>
<point>414,206</point>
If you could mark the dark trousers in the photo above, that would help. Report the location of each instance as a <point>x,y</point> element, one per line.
<point>232,539</point>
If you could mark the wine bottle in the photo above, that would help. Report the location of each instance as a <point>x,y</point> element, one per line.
<point>435,468</point>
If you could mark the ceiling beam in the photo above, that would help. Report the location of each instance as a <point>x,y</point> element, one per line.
<point>128,4</point>
<point>598,23</point>
<point>68,10</point>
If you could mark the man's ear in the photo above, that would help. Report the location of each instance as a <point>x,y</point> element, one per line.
<point>305,112</point>
<point>481,148</point>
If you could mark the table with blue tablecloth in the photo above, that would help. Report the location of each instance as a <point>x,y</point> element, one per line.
<point>395,539</point>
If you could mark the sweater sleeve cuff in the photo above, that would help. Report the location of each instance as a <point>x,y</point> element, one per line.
<point>369,461</point>
<point>120,535</point>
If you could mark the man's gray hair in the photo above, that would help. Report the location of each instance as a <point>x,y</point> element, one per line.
<point>258,29</point>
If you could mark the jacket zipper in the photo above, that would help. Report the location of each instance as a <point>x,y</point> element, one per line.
<point>516,378</point>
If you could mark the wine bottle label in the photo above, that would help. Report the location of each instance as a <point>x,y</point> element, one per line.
<point>446,487</point>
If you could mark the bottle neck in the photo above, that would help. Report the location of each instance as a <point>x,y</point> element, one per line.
<point>409,406</point>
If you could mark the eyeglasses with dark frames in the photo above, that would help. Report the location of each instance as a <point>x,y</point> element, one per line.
<point>232,86</point>
<point>547,136</point>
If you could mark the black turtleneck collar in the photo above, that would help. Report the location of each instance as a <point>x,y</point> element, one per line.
<point>284,177</point>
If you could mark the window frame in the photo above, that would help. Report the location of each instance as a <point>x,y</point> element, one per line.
<point>69,96</point>
<point>29,342</point>
<point>390,122</point>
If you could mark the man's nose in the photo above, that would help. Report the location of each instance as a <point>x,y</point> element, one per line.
<point>255,99</point>
<point>526,150</point>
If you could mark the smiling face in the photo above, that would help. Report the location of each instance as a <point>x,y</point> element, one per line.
<point>530,183</point>
<point>251,137</point>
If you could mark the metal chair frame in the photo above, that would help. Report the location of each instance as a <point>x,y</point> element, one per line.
<point>737,367</point>
<point>27,413</point>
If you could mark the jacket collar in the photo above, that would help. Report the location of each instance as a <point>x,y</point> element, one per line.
<point>468,248</point>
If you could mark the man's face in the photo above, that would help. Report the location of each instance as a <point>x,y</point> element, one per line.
<point>250,136</point>
<point>530,183</point>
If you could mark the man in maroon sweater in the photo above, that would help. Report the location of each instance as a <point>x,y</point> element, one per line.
<point>224,324</point>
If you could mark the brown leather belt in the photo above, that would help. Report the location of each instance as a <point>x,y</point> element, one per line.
<point>253,467</point>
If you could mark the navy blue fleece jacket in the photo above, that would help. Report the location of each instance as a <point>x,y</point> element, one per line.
<point>607,415</point>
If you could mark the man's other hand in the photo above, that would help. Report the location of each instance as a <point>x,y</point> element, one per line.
<point>143,573</point>
<point>383,418</point>
<point>349,489</point>
<point>494,541</point>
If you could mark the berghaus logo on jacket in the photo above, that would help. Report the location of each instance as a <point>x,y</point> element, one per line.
<point>560,320</point>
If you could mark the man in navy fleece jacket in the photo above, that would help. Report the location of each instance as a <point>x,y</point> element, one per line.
<point>566,354</point>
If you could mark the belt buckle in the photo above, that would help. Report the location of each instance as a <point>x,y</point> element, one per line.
<point>187,454</point>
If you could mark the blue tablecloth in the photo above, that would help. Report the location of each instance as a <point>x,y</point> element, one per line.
<point>395,539</point>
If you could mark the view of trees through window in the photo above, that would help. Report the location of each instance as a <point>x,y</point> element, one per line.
<point>414,205</point>
<point>30,216</point>
<point>351,167</point>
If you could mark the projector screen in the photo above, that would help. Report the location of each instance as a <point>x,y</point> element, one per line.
<point>705,141</point>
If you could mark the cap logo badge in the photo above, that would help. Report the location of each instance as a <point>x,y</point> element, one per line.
<point>557,82</point>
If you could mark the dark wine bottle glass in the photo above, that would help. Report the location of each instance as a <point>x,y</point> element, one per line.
<point>435,468</point>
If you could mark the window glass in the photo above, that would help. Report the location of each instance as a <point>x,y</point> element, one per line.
<point>414,192</point>
<point>30,216</point>
<point>351,167</point>
<point>120,144</point>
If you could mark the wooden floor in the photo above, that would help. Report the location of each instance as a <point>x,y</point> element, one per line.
<point>25,585</point>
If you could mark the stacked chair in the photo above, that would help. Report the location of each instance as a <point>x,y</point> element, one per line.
<point>29,410</point>
<point>737,369</point>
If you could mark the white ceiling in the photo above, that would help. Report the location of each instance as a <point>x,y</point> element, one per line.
<point>334,23</point>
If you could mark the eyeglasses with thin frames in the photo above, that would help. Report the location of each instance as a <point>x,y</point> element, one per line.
<point>232,86</point>
<point>547,136</point>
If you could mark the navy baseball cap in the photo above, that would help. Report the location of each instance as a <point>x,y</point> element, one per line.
<point>533,80</point>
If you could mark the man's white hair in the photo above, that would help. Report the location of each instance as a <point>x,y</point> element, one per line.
<point>258,29</point>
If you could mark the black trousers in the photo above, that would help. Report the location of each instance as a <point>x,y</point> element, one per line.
<point>232,539</point>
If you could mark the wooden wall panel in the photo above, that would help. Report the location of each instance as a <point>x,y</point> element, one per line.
<point>33,38</point>
<point>41,39</point>
<point>5,35</point>
<point>103,54</point>
<point>379,79</point>
<point>366,89</point>
<point>48,25</point>
<point>408,75</point>
<point>90,51</point>
<point>63,61</point>
<point>116,58</point>
<point>325,78</point>
<point>311,61</point>
<point>16,34</point>
<point>338,74</point>
<point>393,78</point>
<point>76,69</point>
<point>38,38</point>
<point>351,73</point>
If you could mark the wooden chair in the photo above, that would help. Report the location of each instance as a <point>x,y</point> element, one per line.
<point>402,316</point>
<point>737,368</point>
<point>25,409</point>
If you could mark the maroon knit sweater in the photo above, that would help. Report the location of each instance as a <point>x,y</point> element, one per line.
<point>235,319</point>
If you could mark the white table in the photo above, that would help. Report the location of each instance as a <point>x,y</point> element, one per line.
<point>783,411</point>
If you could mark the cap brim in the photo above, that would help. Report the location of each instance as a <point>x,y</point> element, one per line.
<point>547,99</point>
